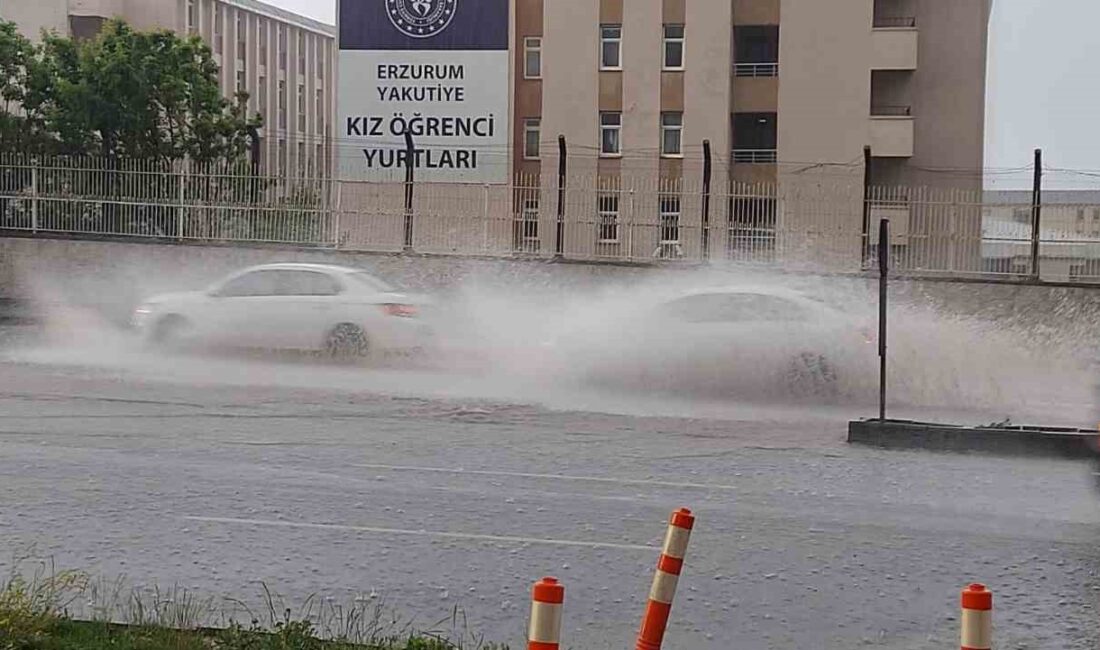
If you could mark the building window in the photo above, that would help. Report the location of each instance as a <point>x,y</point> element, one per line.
<point>301,108</point>
<point>754,137</point>
<point>608,222</point>
<point>319,157</point>
<point>611,45</point>
<point>302,158</point>
<point>262,28</point>
<point>282,47</point>
<point>672,130</point>
<point>532,58</point>
<point>611,126</point>
<point>282,157</point>
<point>242,38</point>
<point>674,47</point>
<point>320,55</point>
<point>282,104</point>
<point>320,108</point>
<point>261,88</point>
<point>191,17</point>
<point>241,80</point>
<point>217,29</point>
<point>756,51</point>
<point>532,133</point>
<point>301,53</point>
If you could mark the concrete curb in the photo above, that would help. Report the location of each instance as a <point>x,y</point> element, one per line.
<point>1028,441</point>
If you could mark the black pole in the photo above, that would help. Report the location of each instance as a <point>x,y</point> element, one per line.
<point>705,253</point>
<point>255,160</point>
<point>884,272</point>
<point>410,159</point>
<point>866,205</point>
<point>1036,213</point>
<point>559,235</point>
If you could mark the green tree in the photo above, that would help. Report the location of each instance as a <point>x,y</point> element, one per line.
<point>138,95</point>
<point>21,127</point>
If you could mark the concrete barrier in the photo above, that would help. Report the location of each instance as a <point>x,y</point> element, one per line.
<point>1027,441</point>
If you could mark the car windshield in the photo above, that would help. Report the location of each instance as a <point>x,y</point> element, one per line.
<point>369,281</point>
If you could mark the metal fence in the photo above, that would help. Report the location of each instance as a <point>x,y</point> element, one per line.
<point>826,222</point>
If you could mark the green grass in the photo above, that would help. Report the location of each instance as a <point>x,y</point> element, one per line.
<point>34,615</point>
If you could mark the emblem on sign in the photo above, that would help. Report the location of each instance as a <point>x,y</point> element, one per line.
<point>421,18</point>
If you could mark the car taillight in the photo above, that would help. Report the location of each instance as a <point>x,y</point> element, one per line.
<point>401,311</point>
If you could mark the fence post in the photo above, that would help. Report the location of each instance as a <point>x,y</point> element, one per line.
<point>485,216</point>
<point>34,197</point>
<point>182,199</point>
<point>866,206</point>
<point>1036,214</point>
<point>705,252</point>
<point>884,272</point>
<point>559,234</point>
<point>630,224</point>
<point>337,209</point>
<point>410,153</point>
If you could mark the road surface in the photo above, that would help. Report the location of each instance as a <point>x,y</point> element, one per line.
<point>431,489</point>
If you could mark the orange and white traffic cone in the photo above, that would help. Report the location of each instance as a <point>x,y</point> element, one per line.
<point>544,632</point>
<point>664,582</point>
<point>977,618</point>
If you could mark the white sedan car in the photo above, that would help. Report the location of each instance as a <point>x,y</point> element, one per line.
<point>723,340</point>
<point>345,312</point>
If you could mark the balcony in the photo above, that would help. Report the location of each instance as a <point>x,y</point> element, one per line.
<point>755,156</point>
<point>894,44</point>
<point>892,131</point>
<point>755,70</point>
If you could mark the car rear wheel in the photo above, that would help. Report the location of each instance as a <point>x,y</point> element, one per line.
<point>811,375</point>
<point>346,342</point>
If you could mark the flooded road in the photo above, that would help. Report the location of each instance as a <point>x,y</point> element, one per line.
<point>431,490</point>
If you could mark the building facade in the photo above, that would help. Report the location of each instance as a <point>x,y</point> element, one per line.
<point>767,82</point>
<point>787,93</point>
<point>285,62</point>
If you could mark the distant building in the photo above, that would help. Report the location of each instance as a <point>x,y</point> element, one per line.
<point>284,61</point>
<point>1069,232</point>
<point>1069,212</point>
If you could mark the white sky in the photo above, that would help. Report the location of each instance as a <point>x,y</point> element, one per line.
<point>1044,87</point>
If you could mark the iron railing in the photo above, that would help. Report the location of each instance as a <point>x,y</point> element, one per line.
<point>895,22</point>
<point>755,156</point>
<point>756,69</point>
<point>801,220</point>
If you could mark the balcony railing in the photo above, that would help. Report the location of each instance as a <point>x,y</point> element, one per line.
<point>756,69</point>
<point>754,156</point>
<point>891,111</point>
<point>895,22</point>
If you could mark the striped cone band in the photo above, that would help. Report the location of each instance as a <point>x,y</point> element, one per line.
<point>653,626</point>
<point>544,632</point>
<point>977,618</point>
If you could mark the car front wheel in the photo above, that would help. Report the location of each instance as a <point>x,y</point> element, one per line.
<point>169,332</point>
<point>347,342</point>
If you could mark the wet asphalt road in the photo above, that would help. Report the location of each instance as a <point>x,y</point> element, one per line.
<point>218,475</point>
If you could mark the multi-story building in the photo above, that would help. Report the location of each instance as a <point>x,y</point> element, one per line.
<point>285,62</point>
<point>768,82</point>
<point>778,87</point>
